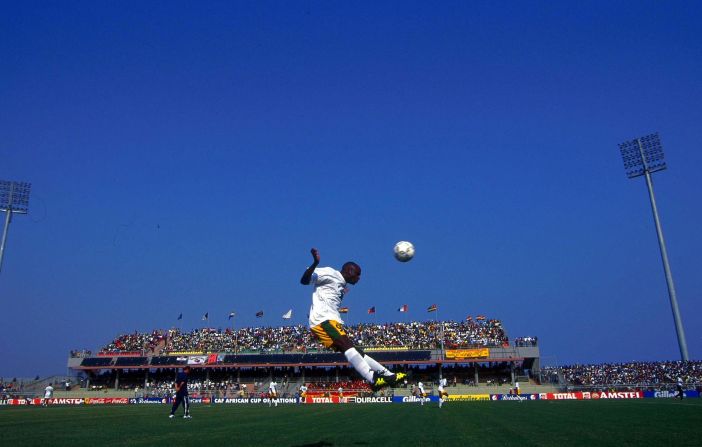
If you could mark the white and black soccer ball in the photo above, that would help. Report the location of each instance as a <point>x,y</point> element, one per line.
<point>404,251</point>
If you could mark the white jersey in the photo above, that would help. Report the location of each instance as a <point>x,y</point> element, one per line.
<point>442,384</point>
<point>48,392</point>
<point>272,386</point>
<point>329,289</point>
<point>303,389</point>
<point>420,385</point>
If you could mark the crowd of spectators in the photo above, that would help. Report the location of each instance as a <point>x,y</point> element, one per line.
<point>261,339</point>
<point>632,373</point>
<point>412,335</point>
<point>526,341</point>
<point>135,342</point>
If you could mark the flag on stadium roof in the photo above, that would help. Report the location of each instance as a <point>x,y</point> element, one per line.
<point>403,308</point>
<point>232,314</point>
<point>480,317</point>
<point>206,316</point>
<point>432,308</point>
<point>343,310</point>
<point>469,318</point>
<point>287,315</point>
<point>371,310</point>
<point>259,314</point>
<point>180,317</point>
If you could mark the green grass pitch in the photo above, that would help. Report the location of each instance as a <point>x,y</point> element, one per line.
<point>654,422</point>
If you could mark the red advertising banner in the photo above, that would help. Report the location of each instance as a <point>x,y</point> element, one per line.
<point>321,399</point>
<point>32,401</point>
<point>65,401</point>
<point>561,396</point>
<point>613,395</point>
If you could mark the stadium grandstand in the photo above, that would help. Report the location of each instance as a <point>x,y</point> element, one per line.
<point>242,361</point>
<point>475,357</point>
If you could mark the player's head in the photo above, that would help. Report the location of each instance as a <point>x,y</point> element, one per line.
<point>351,272</point>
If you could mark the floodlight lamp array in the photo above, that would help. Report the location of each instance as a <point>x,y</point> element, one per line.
<point>642,155</point>
<point>14,196</point>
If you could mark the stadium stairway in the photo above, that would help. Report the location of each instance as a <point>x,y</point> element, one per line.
<point>37,386</point>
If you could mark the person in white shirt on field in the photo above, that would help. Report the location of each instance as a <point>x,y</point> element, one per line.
<point>421,393</point>
<point>48,394</point>
<point>442,391</point>
<point>272,393</point>
<point>303,393</point>
<point>326,323</point>
<point>341,395</point>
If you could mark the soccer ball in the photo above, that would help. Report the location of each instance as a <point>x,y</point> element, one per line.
<point>404,251</point>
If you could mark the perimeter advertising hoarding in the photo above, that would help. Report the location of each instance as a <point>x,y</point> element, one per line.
<point>592,395</point>
<point>106,400</point>
<point>149,400</point>
<point>412,399</point>
<point>21,401</point>
<point>517,397</point>
<point>670,394</point>
<point>252,400</point>
<point>468,397</point>
<point>65,401</point>
<point>348,400</point>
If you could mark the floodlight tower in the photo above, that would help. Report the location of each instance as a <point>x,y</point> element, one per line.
<point>14,198</point>
<point>642,156</point>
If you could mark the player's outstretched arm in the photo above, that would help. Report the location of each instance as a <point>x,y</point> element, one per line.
<point>307,276</point>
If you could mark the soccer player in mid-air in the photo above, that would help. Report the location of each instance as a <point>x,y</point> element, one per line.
<point>181,387</point>
<point>326,323</point>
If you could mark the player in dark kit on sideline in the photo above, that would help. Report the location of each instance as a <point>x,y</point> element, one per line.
<point>181,387</point>
<point>326,323</point>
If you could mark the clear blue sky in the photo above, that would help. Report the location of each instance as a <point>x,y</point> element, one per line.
<point>185,157</point>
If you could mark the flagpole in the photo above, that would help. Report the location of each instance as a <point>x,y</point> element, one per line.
<point>441,364</point>
<point>236,335</point>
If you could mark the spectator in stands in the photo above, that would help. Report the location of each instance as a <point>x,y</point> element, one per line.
<point>632,374</point>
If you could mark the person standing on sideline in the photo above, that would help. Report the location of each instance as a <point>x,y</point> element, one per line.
<point>681,393</point>
<point>48,394</point>
<point>442,391</point>
<point>326,323</point>
<point>181,387</point>
<point>516,388</point>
